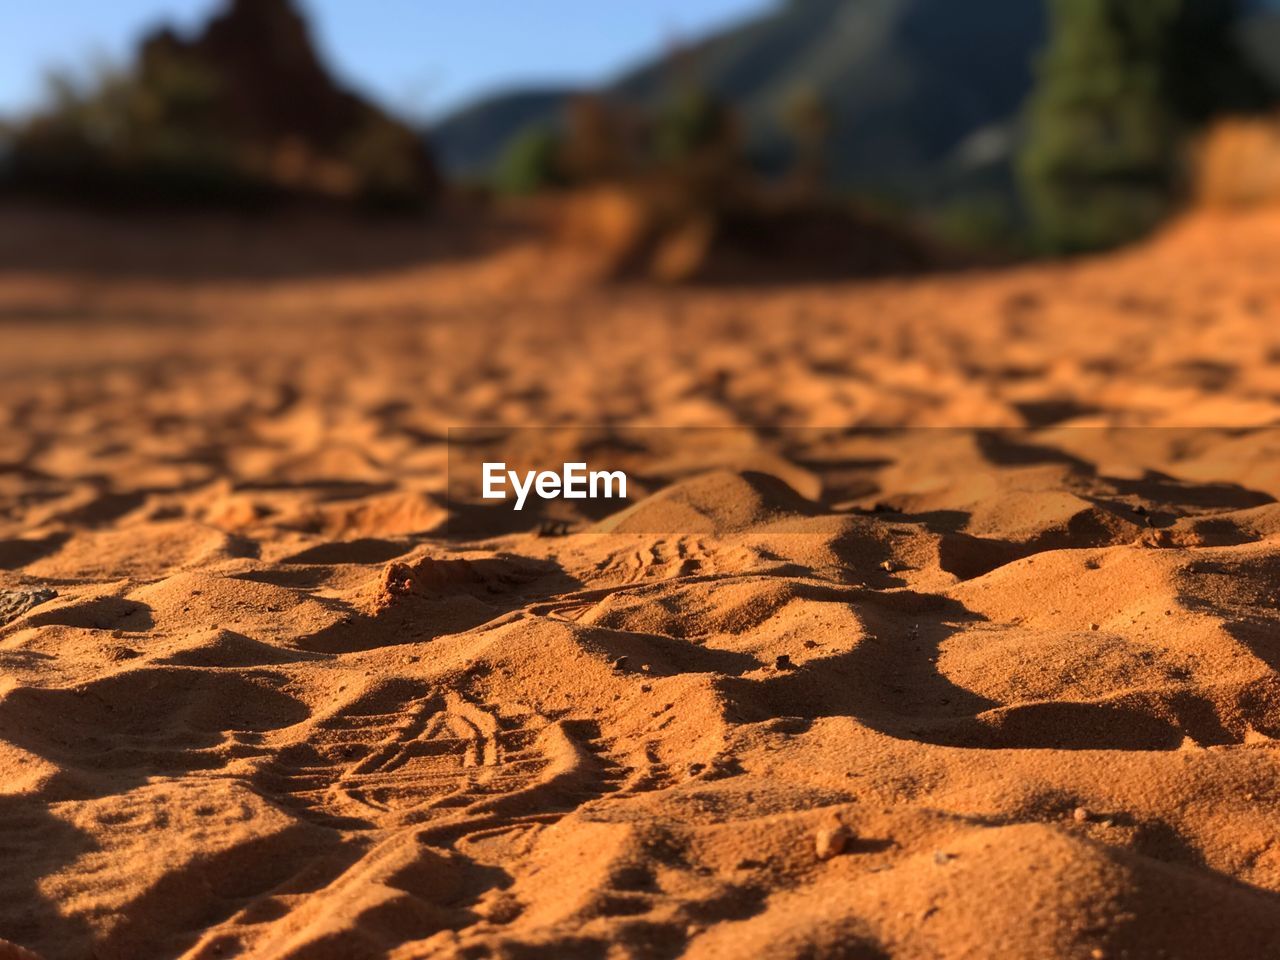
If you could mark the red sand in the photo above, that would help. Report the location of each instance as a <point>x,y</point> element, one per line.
<point>268,715</point>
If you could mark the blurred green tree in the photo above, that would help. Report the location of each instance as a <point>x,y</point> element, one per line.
<point>120,133</point>
<point>531,162</point>
<point>1121,86</point>
<point>691,125</point>
<point>809,120</point>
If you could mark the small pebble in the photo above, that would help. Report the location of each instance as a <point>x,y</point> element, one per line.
<point>1080,815</point>
<point>620,664</point>
<point>1094,626</point>
<point>887,566</point>
<point>783,662</point>
<point>831,841</point>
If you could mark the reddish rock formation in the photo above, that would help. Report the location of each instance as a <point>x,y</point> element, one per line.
<point>242,111</point>
<point>271,94</point>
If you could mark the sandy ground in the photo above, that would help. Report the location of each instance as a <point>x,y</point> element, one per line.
<point>252,702</point>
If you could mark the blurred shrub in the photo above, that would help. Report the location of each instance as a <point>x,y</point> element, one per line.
<point>691,125</point>
<point>531,162</point>
<point>1121,86</point>
<point>692,137</point>
<point>808,118</point>
<point>667,194</point>
<point>1239,164</point>
<point>115,135</point>
<point>984,225</point>
<point>384,160</point>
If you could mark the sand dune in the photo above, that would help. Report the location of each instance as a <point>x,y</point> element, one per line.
<point>255,702</point>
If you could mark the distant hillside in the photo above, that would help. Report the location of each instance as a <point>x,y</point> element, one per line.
<point>905,82</point>
<point>924,95</point>
<point>468,142</point>
<point>1260,39</point>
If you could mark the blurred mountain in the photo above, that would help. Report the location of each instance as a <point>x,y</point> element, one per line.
<point>909,87</point>
<point>1260,39</point>
<point>922,97</point>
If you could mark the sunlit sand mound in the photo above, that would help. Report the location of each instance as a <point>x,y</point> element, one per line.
<point>997,679</point>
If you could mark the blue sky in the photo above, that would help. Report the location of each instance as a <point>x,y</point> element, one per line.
<point>421,57</point>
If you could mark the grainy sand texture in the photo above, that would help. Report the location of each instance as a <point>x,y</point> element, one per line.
<point>998,682</point>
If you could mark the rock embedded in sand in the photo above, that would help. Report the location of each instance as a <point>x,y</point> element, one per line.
<point>14,603</point>
<point>1080,815</point>
<point>831,841</point>
<point>783,662</point>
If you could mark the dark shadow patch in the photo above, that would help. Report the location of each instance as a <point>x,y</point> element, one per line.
<point>168,913</point>
<point>322,490</point>
<point>364,550</point>
<point>434,597</point>
<point>1002,449</point>
<point>98,613</point>
<point>19,552</point>
<point>665,656</point>
<point>1057,726</point>
<point>230,649</point>
<point>1046,413</point>
<point>966,557</point>
<point>890,682</point>
<point>1160,489</point>
<point>37,845</point>
<point>101,510</point>
<point>154,719</point>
